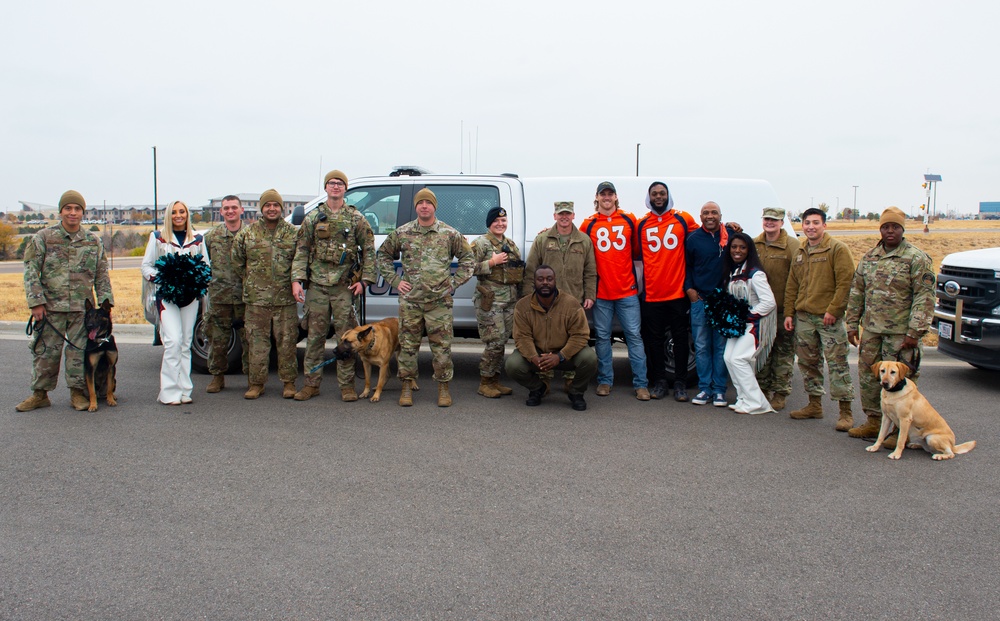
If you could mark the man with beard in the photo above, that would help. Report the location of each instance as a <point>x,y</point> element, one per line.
<point>551,332</point>
<point>665,305</point>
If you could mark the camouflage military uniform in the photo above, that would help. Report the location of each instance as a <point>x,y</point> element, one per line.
<point>225,302</point>
<point>500,286</point>
<point>262,259</point>
<point>326,255</point>
<point>818,283</point>
<point>426,252</point>
<point>776,258</point>
<point>63,270</point>
<point>892,297</point>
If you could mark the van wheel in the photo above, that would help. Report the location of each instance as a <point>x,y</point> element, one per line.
<point>199,349</point>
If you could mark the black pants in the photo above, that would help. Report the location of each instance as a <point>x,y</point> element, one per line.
<point>657,318</point>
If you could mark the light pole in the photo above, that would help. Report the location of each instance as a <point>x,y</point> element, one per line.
<point>637,159</point>
<point>855,210</point>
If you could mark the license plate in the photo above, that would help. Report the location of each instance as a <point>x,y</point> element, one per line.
<point>944,330</point>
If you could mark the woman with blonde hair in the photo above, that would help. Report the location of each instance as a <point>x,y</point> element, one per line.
<point>176,262</point>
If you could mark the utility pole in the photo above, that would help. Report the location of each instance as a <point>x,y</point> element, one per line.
<point>155,222</point>
<point>637,159</point>
<point>855,203</point>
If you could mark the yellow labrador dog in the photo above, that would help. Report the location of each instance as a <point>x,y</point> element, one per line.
<point>919,424</point>
<point>376,344</point>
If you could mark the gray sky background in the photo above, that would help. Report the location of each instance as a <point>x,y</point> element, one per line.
<point>243,96</point>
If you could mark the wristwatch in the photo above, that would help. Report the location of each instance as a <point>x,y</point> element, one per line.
<point>562,358</point>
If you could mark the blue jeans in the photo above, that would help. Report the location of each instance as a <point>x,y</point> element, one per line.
<point>627,310</point>
<point>709,352</point>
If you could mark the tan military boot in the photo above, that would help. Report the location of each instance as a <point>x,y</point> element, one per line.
<point>406,396</point>
<point>503,390</point>
<point>846,420</point>
<point>78,399</point>
<point>307,393</point>
<point>288,390</point>
<point>217,384</point>
<point>813,410</point>
<point>891,440</point>
<point>38,399</point>
<point>777,401</point>
<point>868,431</point>
<point>254,391</point>
<point>444,397</point>
<point>348,394</point>
<point>487,387</point>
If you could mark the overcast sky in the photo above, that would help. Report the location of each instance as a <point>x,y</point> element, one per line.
<point>244,96</point>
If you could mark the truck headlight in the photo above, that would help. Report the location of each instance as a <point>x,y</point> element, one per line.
<point>995,311</point>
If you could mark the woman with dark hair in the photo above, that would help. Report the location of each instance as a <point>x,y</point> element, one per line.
<point>747,353</point>
<point>178,289</point>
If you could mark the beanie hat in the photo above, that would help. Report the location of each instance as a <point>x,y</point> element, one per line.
<point>71,197</point>
<point>425,194</point>
<point>493,214</point>
<point>893,214</point>
<point>334,174</point>
<point>271,196</point>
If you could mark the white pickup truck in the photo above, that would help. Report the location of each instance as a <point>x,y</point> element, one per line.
<point>967,310</point>
<point>464,200</point>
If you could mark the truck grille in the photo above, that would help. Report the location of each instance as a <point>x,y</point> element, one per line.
<point>967,272</point>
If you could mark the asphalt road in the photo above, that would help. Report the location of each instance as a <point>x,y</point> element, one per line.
<point>271,509</point>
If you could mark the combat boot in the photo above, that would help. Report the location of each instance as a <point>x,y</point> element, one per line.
<point>444,397</point>
<point>503,390</point>
<point>78,399</point>
<point>38,399</point>
<point>307,393</point>
<point>487,387</point>
<point>813,410</point>
<point>891,440</point>
<point>868,431</point>
<point>846,420</point>
<point>348,394</point>
<point>288,391</point>
<point>254,391</point>
<point>777,401</point>
<point>406,396</point>
<point>217,384</point>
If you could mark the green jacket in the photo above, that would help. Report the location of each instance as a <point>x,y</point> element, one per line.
<point>63,270</point>
<point>326,250</point>
<point>504,280</point>
<point>893,292</point>
<point>820,278</point>
<point>777,257</point>
<point>262,259</point>
<point>574,265</point>
<point>226,287</point>
<point>426,252</point>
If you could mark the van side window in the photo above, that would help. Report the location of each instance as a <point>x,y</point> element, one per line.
<point>378,204</point>
<point>465,206</point>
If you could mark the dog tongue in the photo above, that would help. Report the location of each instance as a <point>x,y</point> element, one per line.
<point>92,335</point>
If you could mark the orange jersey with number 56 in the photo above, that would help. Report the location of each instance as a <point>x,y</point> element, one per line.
<point>661,245</point>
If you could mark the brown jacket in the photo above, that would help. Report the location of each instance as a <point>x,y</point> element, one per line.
<point>820,278</point>
<point>777,257</point>
<point>563,328</point>
<point>576,271</point>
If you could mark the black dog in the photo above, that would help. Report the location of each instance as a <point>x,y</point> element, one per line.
<point>101,355</point>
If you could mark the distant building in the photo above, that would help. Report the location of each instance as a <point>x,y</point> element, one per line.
<point>989,210</point>
<point>251,205</point>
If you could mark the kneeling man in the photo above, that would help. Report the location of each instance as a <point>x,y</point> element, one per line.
<point>551,332</point>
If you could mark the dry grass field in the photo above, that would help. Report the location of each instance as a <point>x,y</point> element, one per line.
<point>938,243</point>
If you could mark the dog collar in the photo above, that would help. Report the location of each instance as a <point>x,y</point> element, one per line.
<point>897,387</point>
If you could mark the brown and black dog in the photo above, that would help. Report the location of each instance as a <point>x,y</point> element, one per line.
<point>101,355</point>
<point>919,424</point>
<point>376,344</point>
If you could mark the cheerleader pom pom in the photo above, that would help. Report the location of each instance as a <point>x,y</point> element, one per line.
<point>726,314</point>
<point>181,278</point>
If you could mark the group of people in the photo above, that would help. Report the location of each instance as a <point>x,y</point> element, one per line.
<point>750,304</point>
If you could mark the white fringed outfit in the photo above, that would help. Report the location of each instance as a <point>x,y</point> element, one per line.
<point>176,323</point>
<point>746,354</point>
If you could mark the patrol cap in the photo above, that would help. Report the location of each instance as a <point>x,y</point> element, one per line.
<point>271,196</point>
<point>425,194</point>
<point>773,213</point>
<point>71,197</point>
<point>564,207</point>
<point>893,214</point>
<point>493,214</point>
<point>334,174</point>
<point>606,185</point>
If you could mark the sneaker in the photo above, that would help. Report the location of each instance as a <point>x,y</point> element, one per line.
<point>701,398</point>
<point>659,389</point>
<point>680,392</point>
<point>719,400</point>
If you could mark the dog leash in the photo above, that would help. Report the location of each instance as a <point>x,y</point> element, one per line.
<point>36,326</point>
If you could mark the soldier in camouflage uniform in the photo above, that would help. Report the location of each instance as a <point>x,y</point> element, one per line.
<point>892,302</point>
<point>334,262</point>
<point>777,249</point>
<point>225,295</point>
<point>500,272</point>
<point>64,266</point>
<point>262,259</point>
<point>425,247</point>
<point>815,301</point>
